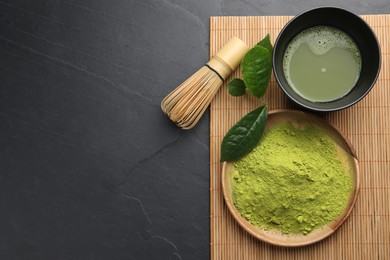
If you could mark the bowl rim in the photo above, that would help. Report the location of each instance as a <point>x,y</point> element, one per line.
<point>306,105</point>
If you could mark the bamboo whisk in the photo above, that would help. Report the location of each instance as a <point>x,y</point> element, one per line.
<point>186,104</point>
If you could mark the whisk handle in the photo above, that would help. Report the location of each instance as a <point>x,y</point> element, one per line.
<point>229,57</point>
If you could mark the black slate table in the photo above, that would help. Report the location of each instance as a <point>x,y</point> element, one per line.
<point>90,168</point>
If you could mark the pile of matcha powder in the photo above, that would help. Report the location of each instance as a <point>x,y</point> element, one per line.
<point>292,182</point>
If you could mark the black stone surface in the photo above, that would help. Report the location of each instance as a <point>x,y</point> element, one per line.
<point>90,168</point>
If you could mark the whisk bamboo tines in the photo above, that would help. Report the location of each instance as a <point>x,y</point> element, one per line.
<point>186,104</point>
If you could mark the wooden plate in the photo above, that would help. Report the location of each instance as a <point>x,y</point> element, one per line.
<point>347,154</point>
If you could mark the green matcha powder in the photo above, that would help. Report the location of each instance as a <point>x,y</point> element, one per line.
<point>292,182</point>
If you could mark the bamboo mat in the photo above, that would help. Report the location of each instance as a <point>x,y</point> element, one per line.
<point>366,233</point>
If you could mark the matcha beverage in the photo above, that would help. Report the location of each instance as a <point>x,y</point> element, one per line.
<point>322,64</point>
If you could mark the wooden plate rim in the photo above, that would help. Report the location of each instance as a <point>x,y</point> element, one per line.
<point>296,241</point>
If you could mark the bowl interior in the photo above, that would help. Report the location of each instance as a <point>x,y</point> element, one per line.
<point>347,154</point>
<point>351,24</point>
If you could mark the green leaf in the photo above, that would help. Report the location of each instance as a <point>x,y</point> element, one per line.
<point>244,135</point>
<point>256,70</point>
<point>266,43</point>
<point>236,87</point>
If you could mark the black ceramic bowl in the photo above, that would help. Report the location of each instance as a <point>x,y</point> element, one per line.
<point>351,24</point>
